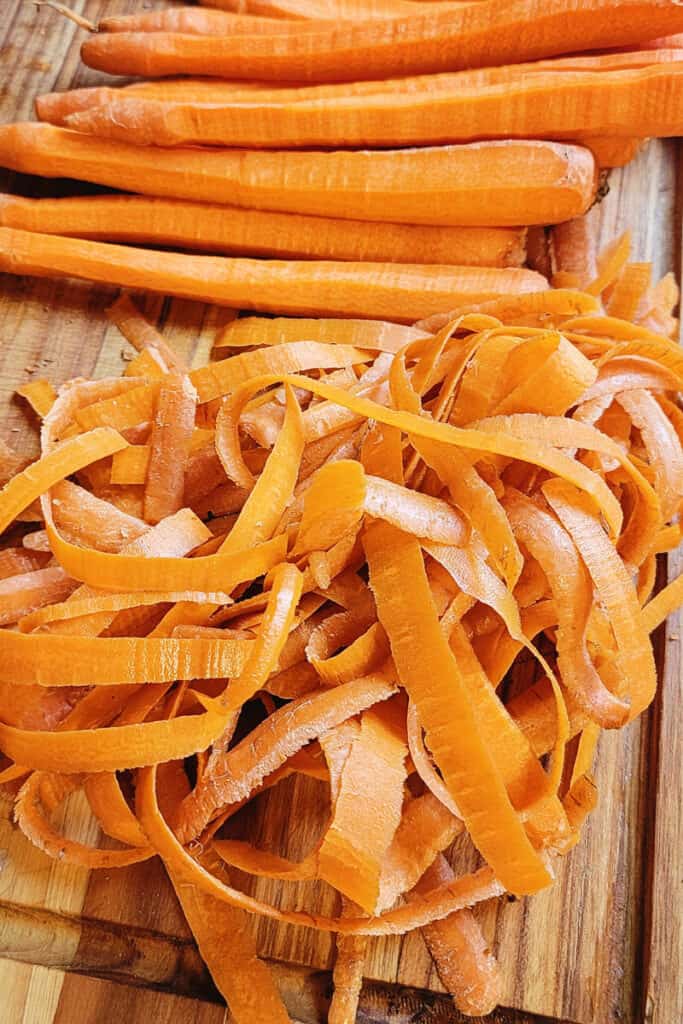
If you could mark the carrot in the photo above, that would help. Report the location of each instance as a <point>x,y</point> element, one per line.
<point>378,336</point>
<point>141,334</point>
<point>15,561</point>
<point>31,817</point>
<point>211,228</point>
<point>347,976</point>
<point>351,858</point>
<point>291,728</point>
<point>542,105</point>
<point>40,395</point>
<point>56,107</point>
<point>26,592</point>
<point>37,478</point>
<point>519,183</point>
<point>666,42</point>
<point>406,293</point>
<point>465,964</point>
<point>442,40</point>
<point>169,448</point>
<point>229,949</point>
<point>629,291</point>
<point>613,152</point>
<point>573,249</point>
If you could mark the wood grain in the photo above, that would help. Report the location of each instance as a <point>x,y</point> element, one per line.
<point>603,946</point>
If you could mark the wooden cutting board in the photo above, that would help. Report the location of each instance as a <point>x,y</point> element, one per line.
<point>603,946</point>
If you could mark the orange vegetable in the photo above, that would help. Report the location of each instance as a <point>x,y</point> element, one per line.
<point>213,228</point>
<point>434,41</point>
<point>404,292</point>
<point>610,151</point>
<point>141,334</point>
<point>452,110</point>
<point>37,478</point>
<point>426,665</point>
<point>347,976</point>
<point>25,593</point>
<point>519,182</point>
<point>169,448</point>
<point>465,964</point>
<point>352,853</point>
<point>39,394</point>
<point>377,335</point>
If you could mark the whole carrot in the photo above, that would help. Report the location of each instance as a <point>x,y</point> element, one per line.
<point>213,228</point>
<point>474,36</point>
<point>485,184</point>
<point>401,292</point>
<point>541,105</point>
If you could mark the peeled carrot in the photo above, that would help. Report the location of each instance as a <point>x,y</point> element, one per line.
<point>546,104</point>
<point>442,40</point>
<point>213,228</point>
<point>573,249</point>
<point>402,293</point>
<point>56,106</point>
<point>497,184</point>
<point>613,152</point>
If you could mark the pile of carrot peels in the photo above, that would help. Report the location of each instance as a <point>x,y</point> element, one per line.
<point>321,554</point>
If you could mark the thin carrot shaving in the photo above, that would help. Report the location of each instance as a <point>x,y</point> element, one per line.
<point>39,394</point>
<point>33,822</point>
<point>466,965</point>
<point>140,333</point>
<point>347,976</point>
<point>169,448</point>
<point>131,465</point>
<point>322,554</point>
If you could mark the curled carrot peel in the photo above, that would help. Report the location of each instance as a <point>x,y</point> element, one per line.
<point>403,512</point>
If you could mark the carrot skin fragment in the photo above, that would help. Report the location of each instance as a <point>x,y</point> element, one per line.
<point>169,448</point>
